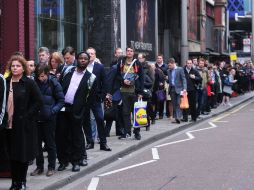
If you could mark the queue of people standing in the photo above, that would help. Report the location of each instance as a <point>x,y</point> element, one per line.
<point>60,102</point>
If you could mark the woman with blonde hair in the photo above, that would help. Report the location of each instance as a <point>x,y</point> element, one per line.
<point>56,59</point>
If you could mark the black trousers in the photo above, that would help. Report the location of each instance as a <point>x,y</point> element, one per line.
<point>46,133</point>
<point>192,98</point>
<point>70,140</point>
<point>99,117</point>
<point>128,106</point>
<point>118,119</point>
<point>160,108</point>
<point>18,171</point>
<point>149,110</point>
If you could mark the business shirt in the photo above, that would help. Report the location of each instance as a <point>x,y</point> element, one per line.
<point>90,67</point>
<point>74,84</point>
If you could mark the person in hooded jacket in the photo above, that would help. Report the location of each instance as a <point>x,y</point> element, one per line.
<point>53,101</point>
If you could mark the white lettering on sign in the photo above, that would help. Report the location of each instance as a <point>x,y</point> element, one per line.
<point>142,46</point>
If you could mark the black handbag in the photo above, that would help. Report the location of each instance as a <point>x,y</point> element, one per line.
<point>110,113</point>
<point>147,93</point>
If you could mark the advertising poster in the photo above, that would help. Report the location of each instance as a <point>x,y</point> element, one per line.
<point>140,16</point>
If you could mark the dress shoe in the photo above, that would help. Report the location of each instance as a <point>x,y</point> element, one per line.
<point>137,136</point>
<point>75,168</point>
<point>83,162</point>
<point>105,147</point>
<point>50,172</point>
<point>184,120</point>
<point>176,121</point>
<point>62,167</point>
<point>37,171</point>
<point>122,137</point>
<point>89,146</point>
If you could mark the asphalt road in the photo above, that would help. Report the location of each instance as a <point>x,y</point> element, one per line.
<point>215,155</point>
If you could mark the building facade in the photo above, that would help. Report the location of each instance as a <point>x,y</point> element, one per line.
<point>150,26</point>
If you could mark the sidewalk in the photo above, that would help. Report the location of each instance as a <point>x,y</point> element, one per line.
<point>96,158</point>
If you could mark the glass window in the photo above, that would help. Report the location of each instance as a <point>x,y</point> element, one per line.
<point>70,35</point>
<point>50,19</point>
<point>70,23</point>
<point>59,23</point>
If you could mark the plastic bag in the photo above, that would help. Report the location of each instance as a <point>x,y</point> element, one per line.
<point>184,103</point>
<point>140,114</point>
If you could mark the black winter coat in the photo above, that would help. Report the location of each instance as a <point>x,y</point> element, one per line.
<point>53,98</point>
<point>22,138</point>
<point>192,83</point>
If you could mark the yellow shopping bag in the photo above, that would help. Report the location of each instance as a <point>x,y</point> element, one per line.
<point>140,114</point>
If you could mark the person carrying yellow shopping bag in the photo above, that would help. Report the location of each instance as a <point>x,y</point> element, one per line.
<point>131,78</point>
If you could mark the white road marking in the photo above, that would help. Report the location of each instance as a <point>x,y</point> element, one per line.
<point>93,184</point>
<point>190,136</point>
<point>221,121</point>
<point>126,168</point>
<point>155,154</point>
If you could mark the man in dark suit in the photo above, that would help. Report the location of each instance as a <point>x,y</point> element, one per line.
<point>177,85</point>
<point>78,86</point>
<point>69,61</point>
<point>96,104</point>
<point>193,78</point>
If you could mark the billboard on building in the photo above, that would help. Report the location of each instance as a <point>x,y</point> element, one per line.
<point>140,17</point>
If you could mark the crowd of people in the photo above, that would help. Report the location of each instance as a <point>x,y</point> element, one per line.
<point>67,101</point>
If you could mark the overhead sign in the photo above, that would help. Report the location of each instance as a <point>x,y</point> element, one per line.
<point>246,45</point>
<point>233,56</point>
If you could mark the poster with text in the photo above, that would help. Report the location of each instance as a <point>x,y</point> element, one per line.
<point>140,16</point>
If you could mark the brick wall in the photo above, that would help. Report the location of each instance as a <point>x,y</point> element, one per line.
<point>29,29</point>
<point>10,29</point>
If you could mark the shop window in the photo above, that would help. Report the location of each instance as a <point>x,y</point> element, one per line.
<point>59,23</point>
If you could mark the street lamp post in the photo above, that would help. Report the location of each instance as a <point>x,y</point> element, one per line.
<point>252,23</point>
<point>184,34</point>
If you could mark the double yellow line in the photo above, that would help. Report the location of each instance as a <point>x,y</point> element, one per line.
<point>231,112</point>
